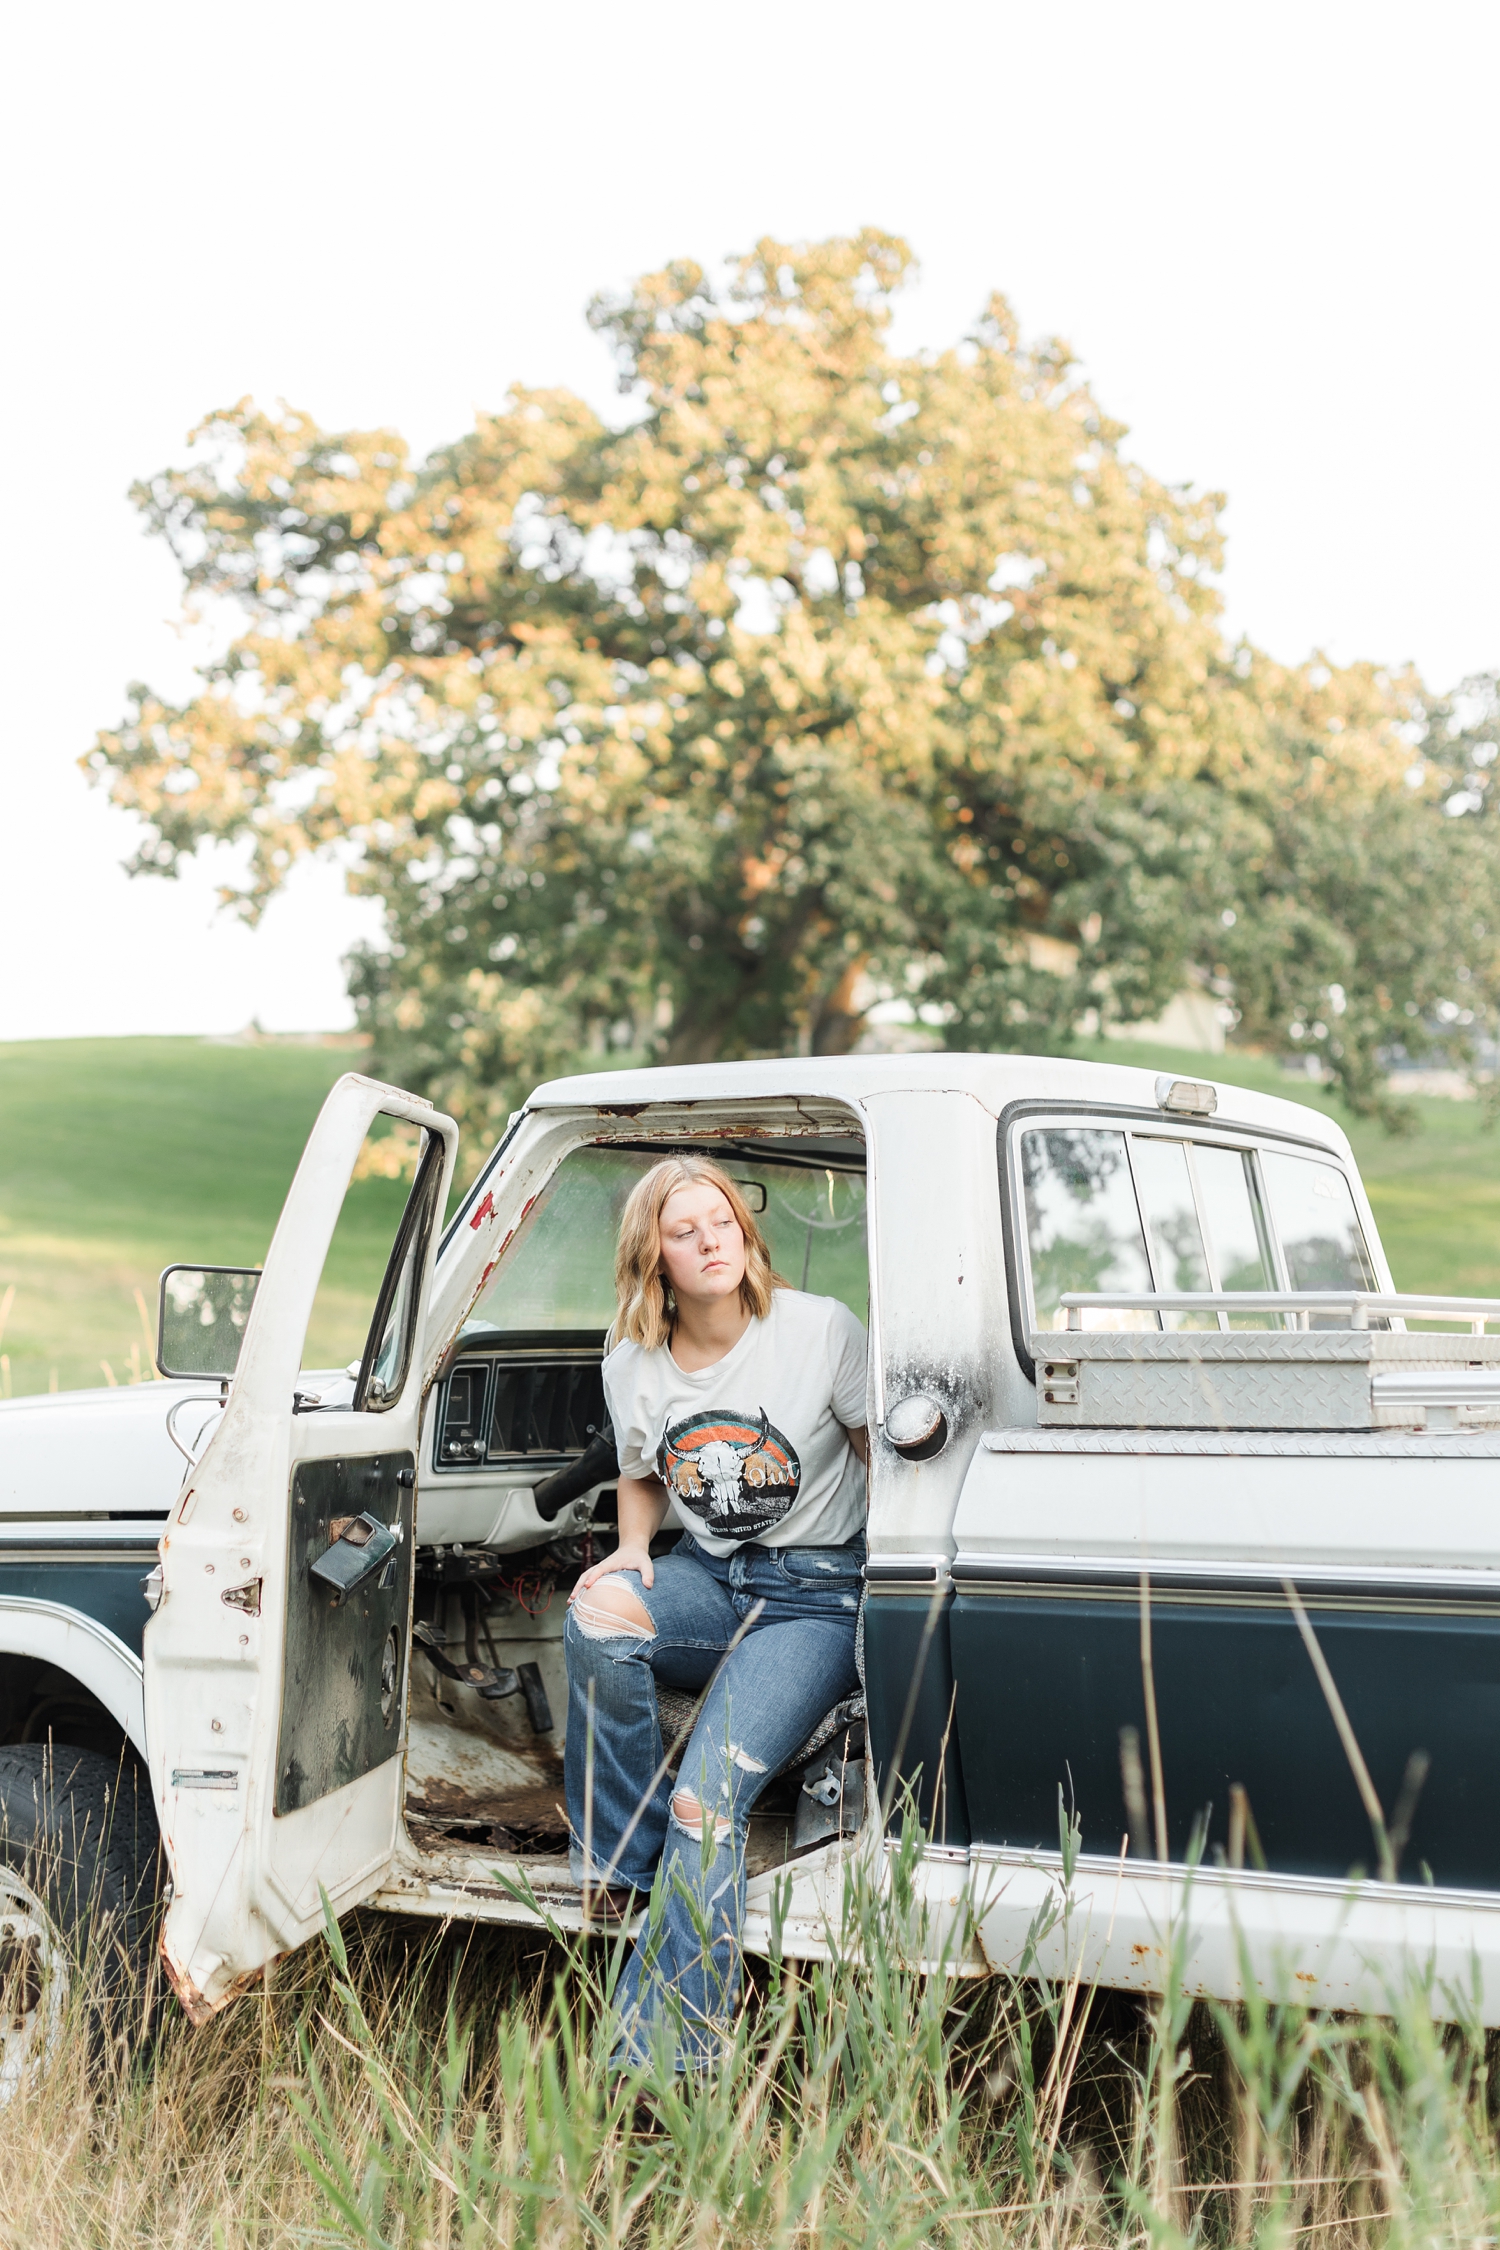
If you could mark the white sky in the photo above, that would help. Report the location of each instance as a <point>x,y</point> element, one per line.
<point>1269,233</point>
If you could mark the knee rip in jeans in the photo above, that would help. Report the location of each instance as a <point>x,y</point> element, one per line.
<point>611,1610</point>
<point>687,1813</point>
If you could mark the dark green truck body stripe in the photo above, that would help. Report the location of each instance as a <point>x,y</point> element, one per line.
<point>104,1584</point>
<point>895,1625</point>
<point>1048,1676</point>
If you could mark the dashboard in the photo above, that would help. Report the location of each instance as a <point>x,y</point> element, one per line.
<point>515,1406</point>
<point>520,1401</point>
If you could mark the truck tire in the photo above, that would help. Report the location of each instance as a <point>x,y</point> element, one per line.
<point>79,1861</point>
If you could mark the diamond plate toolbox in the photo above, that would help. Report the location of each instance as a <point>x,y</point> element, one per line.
<point>1271,1379</point>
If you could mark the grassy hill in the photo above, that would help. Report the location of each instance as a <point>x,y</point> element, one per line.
<point>119,1156</point>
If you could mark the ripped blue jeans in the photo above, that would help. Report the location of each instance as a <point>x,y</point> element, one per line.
<point>793,1663</point>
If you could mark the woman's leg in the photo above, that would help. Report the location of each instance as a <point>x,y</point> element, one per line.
<point>615,1636</point>
<point>767,1698</point>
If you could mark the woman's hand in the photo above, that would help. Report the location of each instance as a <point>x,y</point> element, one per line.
<point>643,1506</point>
<point>635,1556</point>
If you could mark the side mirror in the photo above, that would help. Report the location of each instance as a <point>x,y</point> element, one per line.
<point>201,1321</point>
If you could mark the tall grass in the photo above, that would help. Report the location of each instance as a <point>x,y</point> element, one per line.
<point>399,2086</point>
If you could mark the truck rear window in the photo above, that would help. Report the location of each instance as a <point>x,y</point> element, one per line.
<point>1112,1209</point>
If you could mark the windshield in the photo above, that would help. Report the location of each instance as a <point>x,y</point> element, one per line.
<point>558,1274</point>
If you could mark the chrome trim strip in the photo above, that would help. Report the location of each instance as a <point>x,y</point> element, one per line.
<point>37,1526</point>
<point>124,1551</point>
<point>910,1570</point>
<point>1178,1573</point>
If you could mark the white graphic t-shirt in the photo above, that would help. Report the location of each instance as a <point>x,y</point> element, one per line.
<point>752,1448</point>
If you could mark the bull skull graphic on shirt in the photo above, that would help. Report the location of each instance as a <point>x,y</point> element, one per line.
<point>734,1471</point>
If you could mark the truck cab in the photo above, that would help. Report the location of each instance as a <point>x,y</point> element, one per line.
<point>1157,1456</point>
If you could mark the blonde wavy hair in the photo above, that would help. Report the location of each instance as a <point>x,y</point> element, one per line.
<point>645,1305</point>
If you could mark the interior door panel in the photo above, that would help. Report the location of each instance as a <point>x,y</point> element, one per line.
<point>344,1662</point>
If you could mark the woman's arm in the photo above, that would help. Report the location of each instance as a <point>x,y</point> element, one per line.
<point>643,1508</point>
<point>860,1440</point>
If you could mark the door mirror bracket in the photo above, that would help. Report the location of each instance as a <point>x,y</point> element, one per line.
<point>192,1459</point>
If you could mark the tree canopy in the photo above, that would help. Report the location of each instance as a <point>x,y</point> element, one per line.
<point>831,677</point>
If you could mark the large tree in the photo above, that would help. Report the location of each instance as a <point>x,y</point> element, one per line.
<point>830,674</point>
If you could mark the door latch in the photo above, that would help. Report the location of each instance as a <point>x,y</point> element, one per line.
<point>361,1545</point>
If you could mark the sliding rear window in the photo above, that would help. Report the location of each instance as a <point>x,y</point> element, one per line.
<point>1141,1211</point>
<point>1319,1230</point>
<point>1083,1223</point>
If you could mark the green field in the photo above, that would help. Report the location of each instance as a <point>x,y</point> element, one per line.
<point>121,1156</point>
<point>118,1156</point>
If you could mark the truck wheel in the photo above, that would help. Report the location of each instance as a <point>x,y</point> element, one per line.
<point>78,1882</point>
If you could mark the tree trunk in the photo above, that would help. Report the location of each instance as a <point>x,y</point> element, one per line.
<point>694,1040</point>
<point>839,1023</point>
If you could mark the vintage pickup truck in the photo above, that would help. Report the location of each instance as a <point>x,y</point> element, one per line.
<point>1180,1529</point>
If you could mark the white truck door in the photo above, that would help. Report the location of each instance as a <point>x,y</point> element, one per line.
<point>275,1667</point>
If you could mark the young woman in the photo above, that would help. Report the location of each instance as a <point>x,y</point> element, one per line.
<point>739,1409</point>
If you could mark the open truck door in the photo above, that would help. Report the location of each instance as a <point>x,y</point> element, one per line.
<point>276,1664</point>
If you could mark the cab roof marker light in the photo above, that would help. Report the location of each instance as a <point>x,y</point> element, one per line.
<point>1186,1097</point>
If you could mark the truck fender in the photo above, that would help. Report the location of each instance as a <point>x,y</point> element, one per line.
<point>81,1646</point>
